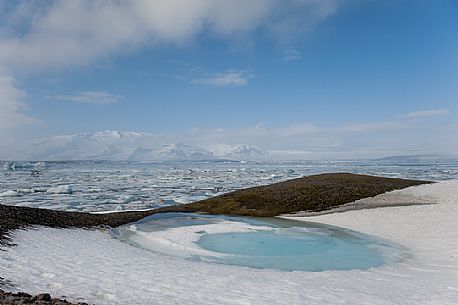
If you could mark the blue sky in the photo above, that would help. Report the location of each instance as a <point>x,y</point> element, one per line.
<point>296,76</point>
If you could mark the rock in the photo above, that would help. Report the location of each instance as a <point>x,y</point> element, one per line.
<point>43,297</point>
<point>10,298</point>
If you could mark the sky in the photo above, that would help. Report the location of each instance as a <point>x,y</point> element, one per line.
<point>299,78</point>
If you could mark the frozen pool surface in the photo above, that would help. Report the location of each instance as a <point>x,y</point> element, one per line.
<point>270,243</point>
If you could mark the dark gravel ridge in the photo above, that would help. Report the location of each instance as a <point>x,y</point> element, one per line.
<point>312,193</point>
<point>13,217</point>
<point>9,298</point>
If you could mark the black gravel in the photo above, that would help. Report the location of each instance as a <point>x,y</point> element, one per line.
<point>9,298</point>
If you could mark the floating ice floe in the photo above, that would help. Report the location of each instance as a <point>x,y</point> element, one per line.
<point>61,189</point>
<point>14,165</point>
<point>19,192</point>
<point>40,165</point>
<point>9,193</point>
<point>9,166</point>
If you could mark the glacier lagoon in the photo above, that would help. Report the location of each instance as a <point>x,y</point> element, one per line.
<point>101,186</point>
<point>112,269</point>
<point>98,186</point>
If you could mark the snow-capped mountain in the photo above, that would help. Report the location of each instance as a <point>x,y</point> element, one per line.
<point>180,151</point>
<point>119,146</point>
<point>104,145</point>
<point>171,152</point>
<point>238,152</point>
<point>418,158</point>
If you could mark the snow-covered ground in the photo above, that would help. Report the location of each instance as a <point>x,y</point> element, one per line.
<point>103,270</point>
<point>182,241</point>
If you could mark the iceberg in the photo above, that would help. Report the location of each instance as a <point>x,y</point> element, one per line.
<point>61,189</point>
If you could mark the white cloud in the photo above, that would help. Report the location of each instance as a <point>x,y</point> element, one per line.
<point>89,97</point>
<point>302,16</point>
<point>297,129</point>
<point>11,105</point>
<point>426,113</point>
<point>42,35</point>
<point>53,80</point>
<point>291,54</point>
<point>350,140</point>
<point>306,140</point>
<point>374,126</point>
<point>67,33</point>
<point>231,78</point>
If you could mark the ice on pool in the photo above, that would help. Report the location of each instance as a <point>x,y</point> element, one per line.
<point>263,244</point>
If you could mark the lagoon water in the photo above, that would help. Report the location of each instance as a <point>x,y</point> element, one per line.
<point>268,243</point>
<point>93,186</point>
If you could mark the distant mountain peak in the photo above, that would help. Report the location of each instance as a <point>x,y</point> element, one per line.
<point>126,145</point>
<point>182,151</point>
<point>238,151</point>
<point>419,157</point>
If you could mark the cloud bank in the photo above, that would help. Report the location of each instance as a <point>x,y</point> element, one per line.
<point>11,104</point>
<point>44,35</point>
<point>427,113</point>
<point>291,54</point>
<point>306,141</point>
<point>89,97</point>
<point>230,78</point>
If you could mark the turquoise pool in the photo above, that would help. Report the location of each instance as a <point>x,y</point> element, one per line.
<point>262,243</point>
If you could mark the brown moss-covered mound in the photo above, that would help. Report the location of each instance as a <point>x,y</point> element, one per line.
<point>313,193</point>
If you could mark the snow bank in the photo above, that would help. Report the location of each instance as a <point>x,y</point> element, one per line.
<point>182,241</point>
<point>404,197</point>
<point>102,270</point>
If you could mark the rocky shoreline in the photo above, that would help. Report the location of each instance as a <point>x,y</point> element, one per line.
<point>9,298</point>
<point>13,217</point>
<point>313,193</point>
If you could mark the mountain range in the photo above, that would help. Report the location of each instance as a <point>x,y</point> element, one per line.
<point>123,146</point>
<point>419,158</point>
